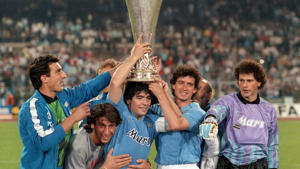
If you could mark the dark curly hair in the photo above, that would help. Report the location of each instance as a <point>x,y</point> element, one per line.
<point>102,110</point>
<point>251,66</point>
<point>133,88</point>
<point>186,70</point>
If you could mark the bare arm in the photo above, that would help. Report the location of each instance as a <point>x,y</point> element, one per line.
<point>120,75</point>
<point>175,120</point>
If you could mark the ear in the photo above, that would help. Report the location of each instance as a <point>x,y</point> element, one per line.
<point>44,79</point>
<point>128,101</point>
<point>173,86</point>
<point>92,126</point>
<point>258,84</point>
<point>195,90</point>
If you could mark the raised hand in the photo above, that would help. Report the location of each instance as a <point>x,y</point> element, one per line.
<point>139,49</point>
<point>81,111</point>
<point>157,87</point>
<point>116,162</point>
<point>157,63</point>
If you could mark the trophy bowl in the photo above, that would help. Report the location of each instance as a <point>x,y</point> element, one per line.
<point>143,15</point>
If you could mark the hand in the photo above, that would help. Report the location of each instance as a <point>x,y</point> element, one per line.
<point>157,63</point>
<point>81,111</point>
<point>156,87</point>
<point>116,162</point>
<point>165,86</point>
<point>209,128</point>
<point>139,49</point>
<point>143,164</point>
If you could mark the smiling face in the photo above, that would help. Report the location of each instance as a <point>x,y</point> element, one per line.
<point>184,88</point>
<point>103,130</point>
<point>139,104</point>
<point>248,86</point>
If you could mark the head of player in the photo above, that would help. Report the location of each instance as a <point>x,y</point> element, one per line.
<point>250,78</point>
<point>46,75</point>
<point>137,96</point>
<point>204,93</point>
<point>102,123</point>
<point>184,84</point>
<point>108,64</point>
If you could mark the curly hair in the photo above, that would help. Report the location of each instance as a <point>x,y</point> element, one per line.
<point>251,66</point>
<point>102,110</point>
<point>133,88</point>
<point>186,70</point>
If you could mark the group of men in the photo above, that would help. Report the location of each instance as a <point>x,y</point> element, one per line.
<point>120,125</point>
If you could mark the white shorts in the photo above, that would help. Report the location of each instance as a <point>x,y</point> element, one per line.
<point>178,166</point>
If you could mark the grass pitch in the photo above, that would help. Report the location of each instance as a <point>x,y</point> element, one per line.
<point>289,139</point>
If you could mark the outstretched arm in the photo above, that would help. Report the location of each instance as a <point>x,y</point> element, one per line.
<point>120,75</point>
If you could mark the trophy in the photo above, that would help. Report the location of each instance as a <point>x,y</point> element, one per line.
<point>143,15</point>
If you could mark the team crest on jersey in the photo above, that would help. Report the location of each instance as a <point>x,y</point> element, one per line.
<point>66,104</point>
<point>133,134</point>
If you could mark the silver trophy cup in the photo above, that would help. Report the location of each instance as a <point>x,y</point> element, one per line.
<point>143,15</point>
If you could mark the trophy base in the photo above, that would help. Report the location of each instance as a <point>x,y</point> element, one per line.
<point>142,76</point>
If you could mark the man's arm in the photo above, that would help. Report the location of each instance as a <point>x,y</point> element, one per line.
<point>273,141</point>
<point>80,113</point>
<point>175,121</point>
<point>120,75</point>
<point>215,115</point>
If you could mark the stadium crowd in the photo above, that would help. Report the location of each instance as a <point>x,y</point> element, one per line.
<point>216,35</point>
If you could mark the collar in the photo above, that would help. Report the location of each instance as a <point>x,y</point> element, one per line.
<point>256,101</point>
<point>49,99</point>
<point>207,107</point>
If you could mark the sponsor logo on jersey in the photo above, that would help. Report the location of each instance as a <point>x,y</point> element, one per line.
<point>244,121</point>
<point>133,134</point>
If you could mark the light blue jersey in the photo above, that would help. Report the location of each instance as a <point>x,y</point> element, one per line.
<point>133,137</point>
<point>180,147</point>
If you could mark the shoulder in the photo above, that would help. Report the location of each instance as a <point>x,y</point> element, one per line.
<point>80,140</point>
<point>32,105</point>
<point>266,105</point>
<point>227,100</point>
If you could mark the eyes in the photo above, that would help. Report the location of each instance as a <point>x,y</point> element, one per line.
<point>180,82</point>
<point>248,80</point>
<point>141,97</point>
<point>101,125</point>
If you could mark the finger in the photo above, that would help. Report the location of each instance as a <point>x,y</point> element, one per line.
<point>123,163</point>
<point>110,152</point>
<point>134,166</point>
<point>140,161</point>
<point>123,156</point>
<point>138,41</point>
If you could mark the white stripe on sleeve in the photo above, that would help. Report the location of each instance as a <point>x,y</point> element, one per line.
<point>36,122</point>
